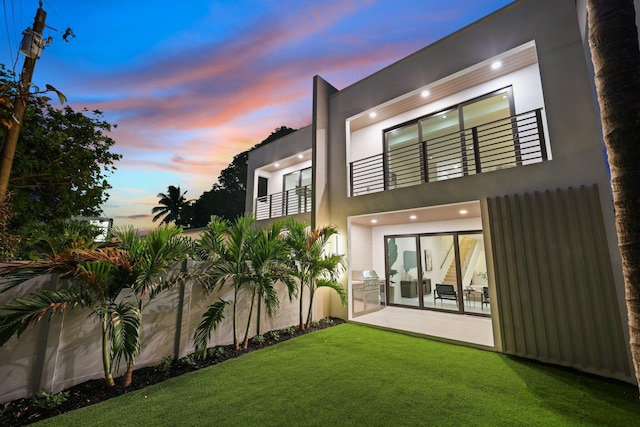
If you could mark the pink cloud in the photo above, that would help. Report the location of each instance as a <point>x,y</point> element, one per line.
<point>218,91</point>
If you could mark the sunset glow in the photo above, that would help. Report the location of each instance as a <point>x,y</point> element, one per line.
<point>191,85</point>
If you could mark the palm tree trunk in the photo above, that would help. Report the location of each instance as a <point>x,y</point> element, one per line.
<point>245,342</point>
<point>235,320</point>
<point>128,375</point>
<point>613,39</point>
<point>106,357</point>
<point>311,294</point>
<point>259,315</point>
<point>301,307</point>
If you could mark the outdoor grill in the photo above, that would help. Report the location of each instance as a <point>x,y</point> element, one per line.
<point>368,291</point>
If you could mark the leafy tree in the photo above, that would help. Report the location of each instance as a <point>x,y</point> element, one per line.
<point>9,242</point>
<point>61,162</point>
<point>311,264</point>
<point>615,52</point>
<point>171,206</point>
<point>227,197</point>
<point>57,236</point>
<point>218,202</point>
<point>234,176</point>
<point>7,95</point>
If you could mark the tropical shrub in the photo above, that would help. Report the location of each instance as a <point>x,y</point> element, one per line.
<point>44,399</point>
<point>40,239</point>
<point>312,264</point>
<point>248,259</point>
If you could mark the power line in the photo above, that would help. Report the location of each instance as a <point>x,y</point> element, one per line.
<point>6,24</point>
<point>53,10</point>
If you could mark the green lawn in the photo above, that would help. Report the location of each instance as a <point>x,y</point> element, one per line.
<point>354,375</point>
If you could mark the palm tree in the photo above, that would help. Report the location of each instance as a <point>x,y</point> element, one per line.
<point>247,258</point>
<point>311,265</point>
<point>94,283</point>
<point>171,206</point>
<point>96,279</point>
<point>613,40</point>
<point>267,255</point>
<point>151,259</point>
<point>226,249</point>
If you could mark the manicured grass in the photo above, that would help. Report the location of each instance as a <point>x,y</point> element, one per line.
<point>351,375</point>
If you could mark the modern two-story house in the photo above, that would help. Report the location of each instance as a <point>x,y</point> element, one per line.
<point>471,190</point>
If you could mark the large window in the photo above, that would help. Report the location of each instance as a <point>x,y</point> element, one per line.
<point>448,136</point>
<point>444,271</point>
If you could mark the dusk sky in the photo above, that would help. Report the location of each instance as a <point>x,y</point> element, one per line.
<point>191,84</point>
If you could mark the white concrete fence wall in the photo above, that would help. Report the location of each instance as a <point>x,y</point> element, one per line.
<point>65,351</point>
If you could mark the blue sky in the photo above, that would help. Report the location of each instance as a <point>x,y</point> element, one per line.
<point>190,84</point>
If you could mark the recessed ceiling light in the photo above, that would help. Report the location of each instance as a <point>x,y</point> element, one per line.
<point>413,217</point>
<point>425,93</point>
<point>300,156</point>
<point>276,165</point>
<point>372,114</point>
<point>463,211</point>
<point>504,96</point>
<point>444,116</point>
<point>496,64</point>
<point>374,221</point>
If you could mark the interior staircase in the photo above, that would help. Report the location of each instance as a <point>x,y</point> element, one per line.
<point>466,247</point>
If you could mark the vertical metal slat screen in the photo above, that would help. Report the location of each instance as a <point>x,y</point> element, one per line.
<point>554,284</point>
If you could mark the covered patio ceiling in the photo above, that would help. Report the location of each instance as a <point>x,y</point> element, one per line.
<point>427,214</point>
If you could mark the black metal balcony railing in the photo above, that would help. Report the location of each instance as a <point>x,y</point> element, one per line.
<point>288,202</point>
<point>505,143</point>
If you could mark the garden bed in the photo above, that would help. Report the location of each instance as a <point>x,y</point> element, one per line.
<point>29,410</point>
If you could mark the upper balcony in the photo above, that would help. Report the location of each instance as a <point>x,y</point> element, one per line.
<point>486,117</point>
<point>279,177</point>
<point>289,202</point>
<point>505,143</point>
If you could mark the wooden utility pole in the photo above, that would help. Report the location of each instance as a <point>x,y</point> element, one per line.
<point>22,97</point>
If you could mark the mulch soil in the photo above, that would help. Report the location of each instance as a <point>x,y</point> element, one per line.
<point>25,411</point>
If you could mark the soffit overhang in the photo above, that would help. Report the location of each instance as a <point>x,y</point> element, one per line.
<point>512,60</point>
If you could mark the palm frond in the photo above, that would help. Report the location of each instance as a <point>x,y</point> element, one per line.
<point>16,273</point>
<point>99,277</point>
<point>153,259</point>
<point>124,332</point>
<point>211,243</point>
<point>210,321</point>
<point>291,285</point>
<point>168,281</point>
<point>325,283</point>
<point>24,313</point>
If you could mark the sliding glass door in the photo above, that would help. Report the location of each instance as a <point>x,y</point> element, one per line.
<point>403,157</point>
<point>441,133</point>
<point>402,271</point>
<point>497,145</point>
<point>440,271</point>
<point>447,138</point>
<point>297,190</point>
<point>444,271</point>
